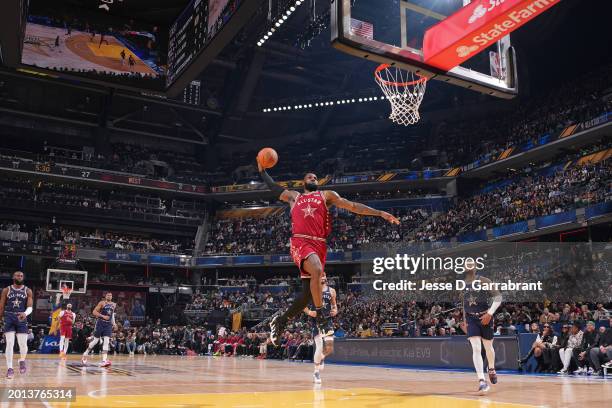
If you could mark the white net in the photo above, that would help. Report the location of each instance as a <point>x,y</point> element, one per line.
<point>404,90</point>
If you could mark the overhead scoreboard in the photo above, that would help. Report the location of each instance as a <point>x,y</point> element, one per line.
<point>187,37</point>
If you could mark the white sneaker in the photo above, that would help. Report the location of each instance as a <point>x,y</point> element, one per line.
<point>590,371</point>
<point>84,360</point>
<point>316,377</point>
<point>483,387</point>
<point>105,363</point>
<point>562,372</point>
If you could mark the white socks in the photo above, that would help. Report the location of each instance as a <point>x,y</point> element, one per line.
<point>22,340</point>
<point>477,357</point>
<point>10,345</point>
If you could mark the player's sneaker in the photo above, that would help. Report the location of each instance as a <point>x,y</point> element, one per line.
<point>276,330</point>
<point>105,363</point>
<point>84,360</point>
<point>22,367</point>
<point>492,376</point>
<point>562,372</point>
<point>10,373</point>
<point>316,377</point>
<point>483,387</point>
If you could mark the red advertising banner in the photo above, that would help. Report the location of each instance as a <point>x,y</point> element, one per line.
<point>475,27</point>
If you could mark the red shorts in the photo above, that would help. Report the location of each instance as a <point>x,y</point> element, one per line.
<point>66,331</point>
<point>302,248</point>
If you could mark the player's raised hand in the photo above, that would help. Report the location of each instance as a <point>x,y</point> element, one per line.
<point>389,217</point>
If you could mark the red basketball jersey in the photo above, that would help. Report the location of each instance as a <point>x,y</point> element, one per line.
<point>309,216</point>
<point>67,319</point>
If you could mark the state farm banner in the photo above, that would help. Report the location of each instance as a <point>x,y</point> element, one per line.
<point>475,27</point>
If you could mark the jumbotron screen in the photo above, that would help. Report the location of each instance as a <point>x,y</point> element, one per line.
<point>95,42</point>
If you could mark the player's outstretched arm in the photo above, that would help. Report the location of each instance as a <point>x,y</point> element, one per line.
<point>334,198</point>
<point>334,303</point>
<point>3,301</point>
<point>282,193</point>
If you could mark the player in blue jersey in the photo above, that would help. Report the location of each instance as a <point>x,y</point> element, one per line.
<point>478,315</point>
<point>105,324</point>
<point>15,305</point>
<point>324,345</point>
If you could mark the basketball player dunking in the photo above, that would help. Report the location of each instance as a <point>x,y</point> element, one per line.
<point>324,345</point>
<point>15,305</point>
<point>311,224</point>
<point>105,323</point>
<point>478,316</point>
<point>67,318</point>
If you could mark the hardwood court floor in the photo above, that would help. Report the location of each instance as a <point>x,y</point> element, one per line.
<point>154,381</point>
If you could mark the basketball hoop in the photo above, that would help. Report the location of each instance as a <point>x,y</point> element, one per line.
<point>404,90</point>
<point>66,292</point>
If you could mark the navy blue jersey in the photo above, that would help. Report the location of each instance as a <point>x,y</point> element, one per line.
<point>475,301</point>
<point>16,300</point>
<point>326,296</point>
<point>107,310</point>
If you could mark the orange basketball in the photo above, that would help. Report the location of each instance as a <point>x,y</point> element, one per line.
<point>267,157</point>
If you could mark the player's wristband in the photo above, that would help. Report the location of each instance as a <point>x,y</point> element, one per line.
<point>28,311</point>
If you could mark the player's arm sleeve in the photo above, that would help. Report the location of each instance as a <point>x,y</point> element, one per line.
<point>277,189</point>
<point>497,299</point>
<point>112,319</point>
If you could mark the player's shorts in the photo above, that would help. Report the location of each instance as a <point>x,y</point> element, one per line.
<point>302,248</point>
<point>315,329</point>
<point>13,324</point>
<point>103,329</point>
<point>66,331</point>
<point>475,328</point>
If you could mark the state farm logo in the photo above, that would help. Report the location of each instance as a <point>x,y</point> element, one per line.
<point>464,50</point>
<point>481,10</point>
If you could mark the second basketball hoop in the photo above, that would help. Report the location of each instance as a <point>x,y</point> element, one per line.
<point>404,90</point>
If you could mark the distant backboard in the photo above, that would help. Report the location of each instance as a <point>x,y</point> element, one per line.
<point>75,280</point>
<point>396,32</point>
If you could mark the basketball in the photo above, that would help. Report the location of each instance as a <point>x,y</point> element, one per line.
<point>267,157</point>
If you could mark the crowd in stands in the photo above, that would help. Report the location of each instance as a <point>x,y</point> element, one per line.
<point>532,193</point>
<point>94,238</point>
<point>85,197</point>
<point>526,197</point>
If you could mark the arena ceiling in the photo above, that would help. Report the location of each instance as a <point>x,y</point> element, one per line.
<point>246,78</point>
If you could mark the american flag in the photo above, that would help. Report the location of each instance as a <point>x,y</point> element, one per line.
<point>362,29</point>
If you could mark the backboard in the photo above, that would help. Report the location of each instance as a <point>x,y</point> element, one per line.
<point>394,32</point>
<point>76,280</point>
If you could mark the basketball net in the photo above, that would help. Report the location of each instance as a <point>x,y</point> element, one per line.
<point>404,90</point>
<point>66,292</point>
